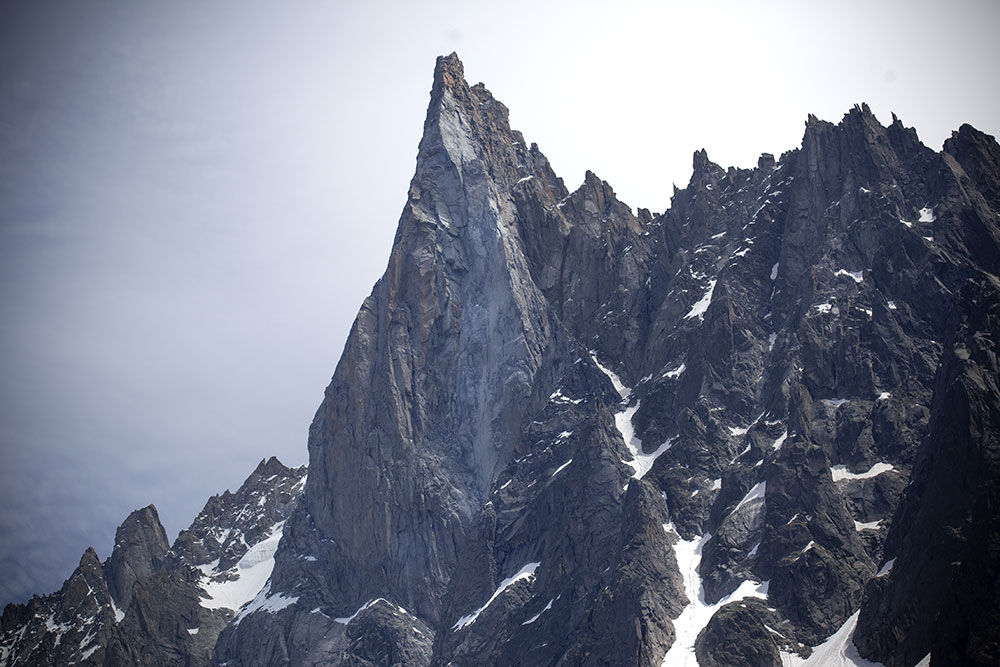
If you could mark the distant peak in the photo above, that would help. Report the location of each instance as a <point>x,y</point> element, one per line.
<point>147,515</point>
<point>448,71</point>
<point>89,557</point>
<point>270,463</point>
<point>969,132</point>
<point>863,109</point>
<point>596,188</point>
<point>452,60</point>
<point>269,467</point>
<point>142,524</point>
<point>700,159</point>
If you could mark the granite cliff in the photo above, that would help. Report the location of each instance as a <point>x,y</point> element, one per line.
<point>760,428</point>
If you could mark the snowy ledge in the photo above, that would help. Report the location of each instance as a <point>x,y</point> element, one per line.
<point>526,572</point>
<point>841,473</point>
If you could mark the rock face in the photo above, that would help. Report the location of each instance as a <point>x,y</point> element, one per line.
<point>565,434</point>
<point>942,595</point>
<point>562,433</point>
<point>149,603</point>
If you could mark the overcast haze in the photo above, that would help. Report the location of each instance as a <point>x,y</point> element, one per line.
<point>196,197</point>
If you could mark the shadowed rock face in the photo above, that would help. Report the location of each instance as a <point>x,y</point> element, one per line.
<point>943,593</point>
<point>563,433</point>
<point>140,546</point>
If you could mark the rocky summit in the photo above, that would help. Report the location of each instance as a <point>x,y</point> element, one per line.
<point>151,603</point>
<point>761,428</point>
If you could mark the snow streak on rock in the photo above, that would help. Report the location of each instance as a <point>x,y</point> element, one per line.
<point>525,573</point>
<point>698,612</point>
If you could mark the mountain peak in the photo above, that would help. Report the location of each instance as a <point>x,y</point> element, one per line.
<point>558,432</point>
<point>270,466</point>
<point>144,521</point>
<point>140,547</point>
<point>89,557</point>
<point>448,73</point>
<point>700,159</point>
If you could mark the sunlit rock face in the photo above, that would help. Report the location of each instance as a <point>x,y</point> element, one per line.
<point>757,429</point>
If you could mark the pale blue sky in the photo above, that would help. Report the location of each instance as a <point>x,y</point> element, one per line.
<point>196,197</point>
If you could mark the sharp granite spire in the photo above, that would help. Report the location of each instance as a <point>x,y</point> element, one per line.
<point>758,426</point>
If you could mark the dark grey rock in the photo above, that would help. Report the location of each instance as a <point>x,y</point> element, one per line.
<point>143,605</point>
<point>941,594</point>
<point>807,348</point>
<point>737,637</point>
<point>140,547</point>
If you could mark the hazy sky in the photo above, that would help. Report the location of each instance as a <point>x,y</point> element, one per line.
<point>195,197</point>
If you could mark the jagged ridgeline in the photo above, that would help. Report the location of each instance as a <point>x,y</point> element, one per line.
<point>762,428</point>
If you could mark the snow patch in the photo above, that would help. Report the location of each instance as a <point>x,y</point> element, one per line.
<point>622,390</point>
<point>824,307</point>
<point>247,578</point>
<point>697,613</point>
<point>837,651</point>
<point>927,214</point>
<point>526,572</point>
<point>641,462</point>
<point>267,602</point>
<point>119,614</point>
<point>856,276</point>
<point>774,271</point>
<point>559,469</point>
<point>558,397</point>
<point>887,568</point>
<point>867,525</point>
<point>740,455</point>
<point>757,491</point>
<point>841,473</point>
<point>883,396</point>
<point>780,441</point>
<point>699,308</point>
<point>770,341</point>
<point>535,617</point>
<point>193,631</point>
<point>675,373</point>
